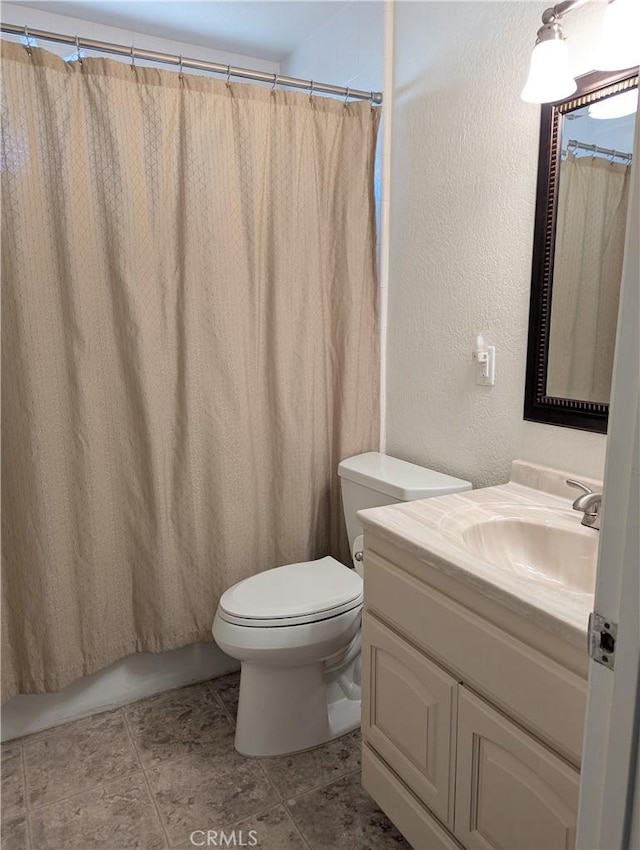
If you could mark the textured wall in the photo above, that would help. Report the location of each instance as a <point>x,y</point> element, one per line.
<point>464,161</point>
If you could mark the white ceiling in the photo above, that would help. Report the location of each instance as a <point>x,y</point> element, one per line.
<point>268,29</point>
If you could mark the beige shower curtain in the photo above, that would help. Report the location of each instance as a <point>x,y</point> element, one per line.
<point>189,347</point>
<point>592,215</point>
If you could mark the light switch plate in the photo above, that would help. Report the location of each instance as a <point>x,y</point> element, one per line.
<point>487,370</point>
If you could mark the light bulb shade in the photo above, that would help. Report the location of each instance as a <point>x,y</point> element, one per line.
<point>619,45</point>
<point>550,78</point>
<point>615,107</point>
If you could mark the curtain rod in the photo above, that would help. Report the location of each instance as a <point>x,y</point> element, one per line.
<point>196,64</point>
<point>574,143</point>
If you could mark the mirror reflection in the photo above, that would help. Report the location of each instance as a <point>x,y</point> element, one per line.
<point>593,192</point>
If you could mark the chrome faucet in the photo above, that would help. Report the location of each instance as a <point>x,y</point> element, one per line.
<point>589,503</point>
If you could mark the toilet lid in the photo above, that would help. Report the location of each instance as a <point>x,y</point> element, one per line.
<point>312,587</point>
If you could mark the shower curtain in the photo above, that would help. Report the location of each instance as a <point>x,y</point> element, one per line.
<point>189,347</point>
<point>592,215</point>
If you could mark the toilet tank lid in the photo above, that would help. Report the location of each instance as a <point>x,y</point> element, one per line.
<point>397,478</point>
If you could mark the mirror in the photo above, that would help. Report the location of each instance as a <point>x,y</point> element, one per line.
<point>586,145</point>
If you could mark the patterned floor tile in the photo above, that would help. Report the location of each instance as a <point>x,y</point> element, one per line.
<point>119,815</point>
<point>12,781</point>
<point>273,830</point>
<point>294,774</point>
<point>85,789</point>
<point>211,790</point>
<point>64,761</point>
<point>176,724</point>
<point>14,833</point>
<point>344,815</point>
<point>228,689</point>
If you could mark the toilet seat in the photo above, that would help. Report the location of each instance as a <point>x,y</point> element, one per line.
<point>295,594</point>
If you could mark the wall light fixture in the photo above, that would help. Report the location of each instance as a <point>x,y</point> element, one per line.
<point>550,77</point>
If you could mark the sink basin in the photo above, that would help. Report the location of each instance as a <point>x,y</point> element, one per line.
<point>540,551</point>
<point>538,543</point>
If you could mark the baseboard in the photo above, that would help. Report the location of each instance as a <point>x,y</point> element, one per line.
<point>132,678</point>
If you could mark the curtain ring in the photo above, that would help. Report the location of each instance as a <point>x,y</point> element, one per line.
<point>228,75</point>
<point>133,58</point>
<point>28,40</point>
<point>180,74</point>
<point>79,54</point>
<point>373,94</point>
<point>346,97</point>
<point>311,92</point>
<point>275,82</point>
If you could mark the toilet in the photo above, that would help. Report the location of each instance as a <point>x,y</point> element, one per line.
<point>296,629</point>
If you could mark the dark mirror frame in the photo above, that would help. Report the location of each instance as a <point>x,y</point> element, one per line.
<point>538,406</point>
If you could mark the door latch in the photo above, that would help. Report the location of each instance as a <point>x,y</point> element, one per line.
<point>602,640</point>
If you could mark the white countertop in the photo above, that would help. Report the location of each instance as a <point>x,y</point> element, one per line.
<point>426,529</point>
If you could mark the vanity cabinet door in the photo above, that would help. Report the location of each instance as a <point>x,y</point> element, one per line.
<point>510,790</point>
<point>408,715</point>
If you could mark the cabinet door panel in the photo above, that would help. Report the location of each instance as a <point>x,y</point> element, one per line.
<point>510,790</point>
<point>408,713</point>
<point>414,821</point>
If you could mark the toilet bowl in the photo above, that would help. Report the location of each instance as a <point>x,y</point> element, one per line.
<point>296,628</point>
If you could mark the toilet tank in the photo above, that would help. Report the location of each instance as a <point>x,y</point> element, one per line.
<point>373,479</point>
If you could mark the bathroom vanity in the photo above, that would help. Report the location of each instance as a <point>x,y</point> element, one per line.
<point>475,664</point>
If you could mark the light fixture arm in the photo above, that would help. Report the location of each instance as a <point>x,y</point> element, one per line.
<point>549,32</point>
<point>555,13</point>
<point>551,28</point>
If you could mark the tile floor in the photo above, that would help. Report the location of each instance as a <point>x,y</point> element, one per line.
<point>148,775</point>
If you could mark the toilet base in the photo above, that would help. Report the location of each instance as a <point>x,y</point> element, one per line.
<point>283,710</point>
